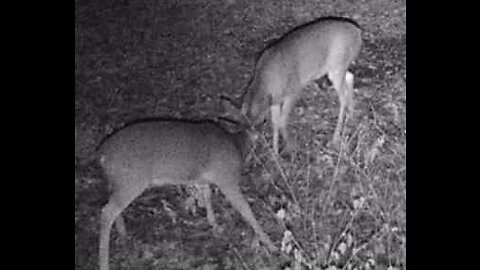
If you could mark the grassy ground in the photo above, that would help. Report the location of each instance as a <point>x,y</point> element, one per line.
<point>327,209</point>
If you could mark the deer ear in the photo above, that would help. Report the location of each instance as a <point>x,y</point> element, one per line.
<point>269,101</point>
<point>229,109</point>
<point>231,101</point>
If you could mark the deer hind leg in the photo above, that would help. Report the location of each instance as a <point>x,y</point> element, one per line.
<point>276,114</point>
<point>349,92</point>
<point>207,194</point>
<point>120,225</point>
<point>119,200</point>
<point>287,105</point>
<point>343,83</point>
<point>232,193</point>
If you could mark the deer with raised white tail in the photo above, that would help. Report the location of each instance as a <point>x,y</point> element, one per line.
<point>326,46</point>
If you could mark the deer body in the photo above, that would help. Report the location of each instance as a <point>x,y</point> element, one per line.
<point>323,47</point>
<point>157,153</point>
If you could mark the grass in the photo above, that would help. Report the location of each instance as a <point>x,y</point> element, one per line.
<point>327,209</point>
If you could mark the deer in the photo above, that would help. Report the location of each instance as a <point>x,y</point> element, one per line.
<point>162,152</point>
<point>326,46</point>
